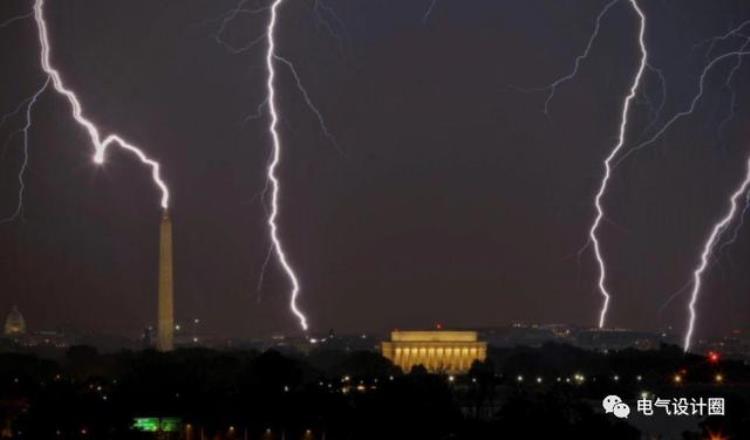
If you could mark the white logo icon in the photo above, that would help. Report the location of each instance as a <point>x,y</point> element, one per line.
<point>609,403</point>
<point>622,410</point>
<point>613,404</point>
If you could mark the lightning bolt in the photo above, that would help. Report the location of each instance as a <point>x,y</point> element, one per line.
<point>275,161</point>
<point>608,167</point>
<point>270,106</point>
<point>308,101</point>
<point>656,110</point>
<point>330,21</point>
<point>239,9</point>
<point>29,105</point>
<point>708,247</point>
<point>14,19</point>
<point>727,84</point>
<point>100,145</point>
<point>722,224</point>
<point>736,230</point>
<point>713,41</point>
<point>719,228</point>
<point>732,92</point>
<point>25,106</point>
<point>551,88</point>
<point>691,108</point>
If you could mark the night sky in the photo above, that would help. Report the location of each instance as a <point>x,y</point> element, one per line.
<point>454,199</point>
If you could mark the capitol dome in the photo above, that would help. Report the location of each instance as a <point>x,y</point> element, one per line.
<point>14,323</point>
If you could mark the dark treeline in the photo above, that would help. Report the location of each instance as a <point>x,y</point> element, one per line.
<point>549,392</point>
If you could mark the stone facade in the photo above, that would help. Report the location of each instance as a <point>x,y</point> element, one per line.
<point>439,351</point>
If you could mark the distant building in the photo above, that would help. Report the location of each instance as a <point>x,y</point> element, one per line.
<point>438,351</point>
<point>15,325</point>
<point>619,339</point>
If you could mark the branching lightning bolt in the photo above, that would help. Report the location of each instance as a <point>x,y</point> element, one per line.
<point>691,108</point>
<point>656,110</point>
<point>738,226</point>
<point>330,21</point>
<point>720,227</point>
<point>269,103</point>
<point>29,105</point>
<point>275,161</point>
<point>551,88</point>
<point>725,222</point>
<point>716,232</point>
<point>608,168</point>
<point>309,102</point>
<point>728,85</point>
<point>12,20</point>
<point>100,145</point>
<point>240,9</point>
<point>26,106</point>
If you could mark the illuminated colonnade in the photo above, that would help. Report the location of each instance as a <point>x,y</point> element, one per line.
<point>438,351</point>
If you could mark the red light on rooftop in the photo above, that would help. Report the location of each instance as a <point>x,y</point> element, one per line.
<point>713,357</point>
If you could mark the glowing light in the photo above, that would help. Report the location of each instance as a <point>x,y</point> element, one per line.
<point>677,379</point>
<point>276,159</point>
<point>708,247</point>
<point>713,357</point>
<point>100,145</point>
<point>608,167</point>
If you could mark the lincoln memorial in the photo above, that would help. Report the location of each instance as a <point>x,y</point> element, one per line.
<point>439,351</point>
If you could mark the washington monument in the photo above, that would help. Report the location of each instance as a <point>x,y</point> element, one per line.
<point>165,330</point>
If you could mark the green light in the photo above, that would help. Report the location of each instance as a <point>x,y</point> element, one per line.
<point>170,424</point>
<point>146,424</point>
<point>154,424</point>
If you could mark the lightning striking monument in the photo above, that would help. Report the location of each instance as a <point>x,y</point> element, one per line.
<point>165,326</point>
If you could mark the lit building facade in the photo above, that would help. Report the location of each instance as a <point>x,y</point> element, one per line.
<point>439,351</point>
<point>14,324</point>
